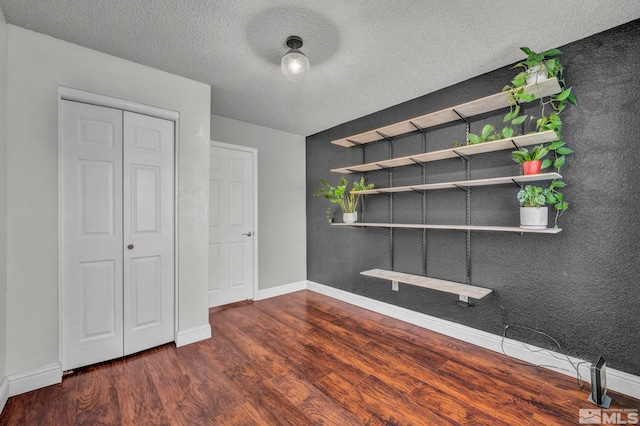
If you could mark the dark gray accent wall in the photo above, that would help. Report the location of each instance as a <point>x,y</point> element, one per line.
<point>580,286</point>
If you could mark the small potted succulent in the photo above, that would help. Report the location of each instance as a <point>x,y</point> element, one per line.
<point>347,200</point>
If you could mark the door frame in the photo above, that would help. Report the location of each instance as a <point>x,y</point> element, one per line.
<point>70,94</point>
<point>254,152</point>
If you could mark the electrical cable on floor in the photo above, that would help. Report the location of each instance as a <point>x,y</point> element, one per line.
<point>576,366</point>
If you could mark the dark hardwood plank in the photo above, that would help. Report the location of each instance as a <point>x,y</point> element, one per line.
<point>271,405</point>
<point>137,394</point>
<point>300,358</point>
<point>317,406</point>
<point>303,359</point>
<point>374,402</point>
<point>267,363</point>
<point>242,415</point>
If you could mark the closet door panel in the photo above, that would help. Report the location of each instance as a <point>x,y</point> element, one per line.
<point>148,232</point>
<point>91,234</point>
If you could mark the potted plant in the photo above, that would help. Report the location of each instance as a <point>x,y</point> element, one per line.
<point>534,213</point>
<point>531,161</point>
<point>347,200</point>
<point>489,134</point>
<point>547,65</point>
<point>540,66</point>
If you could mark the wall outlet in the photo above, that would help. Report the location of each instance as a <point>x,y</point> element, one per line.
<point>462,298</point>
<point>394,285</point>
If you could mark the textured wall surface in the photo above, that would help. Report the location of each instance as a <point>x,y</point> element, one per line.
<point>579,286</point>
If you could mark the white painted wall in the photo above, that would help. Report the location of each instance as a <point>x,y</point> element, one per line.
<point>282,242</point>
<point>37,64</point>
<point>3,195</point>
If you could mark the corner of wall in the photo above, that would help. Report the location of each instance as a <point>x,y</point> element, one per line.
<point>3,207</point>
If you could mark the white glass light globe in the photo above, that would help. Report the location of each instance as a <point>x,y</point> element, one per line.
<point>294,65</point>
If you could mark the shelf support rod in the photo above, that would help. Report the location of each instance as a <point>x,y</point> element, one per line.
<point>462,116</point>
<point>390,204</point>
<point>357,172</point>
<point>462,188</point>
<point>462,157</point>
<point>387,169</point>
<point>362,210</point>
<point>516,183</point>
<point>419,163</point>
<point>424,207</point>
<point>354,142</point>
<point>420,129</point>
<point>385,137</point>
<point>467,170</point>
<point>515,144</point>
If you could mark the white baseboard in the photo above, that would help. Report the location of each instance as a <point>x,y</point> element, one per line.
<point>618,381</point>
<point>4,393</point>
<point>34,379</point>
<point>193,334</point>
<point>280,290</point>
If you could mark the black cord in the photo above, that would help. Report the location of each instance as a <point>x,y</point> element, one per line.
<point>579,380</point>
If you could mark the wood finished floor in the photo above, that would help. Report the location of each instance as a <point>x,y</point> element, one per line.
<point>307,359</point>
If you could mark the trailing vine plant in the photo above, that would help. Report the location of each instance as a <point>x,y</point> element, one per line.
<point>549,119</point>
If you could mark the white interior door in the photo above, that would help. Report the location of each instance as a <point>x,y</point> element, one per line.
<point>115,300</point>
<point>231,225</point>
<point>91,175</point>
<point>148,232</point>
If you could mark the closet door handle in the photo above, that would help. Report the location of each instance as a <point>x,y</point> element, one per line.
<point>248,234</point>
<point>130,246</point>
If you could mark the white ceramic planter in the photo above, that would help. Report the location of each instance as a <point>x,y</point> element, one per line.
<point>349,217</point>
<point>537,75</point>
<point>534,217</point>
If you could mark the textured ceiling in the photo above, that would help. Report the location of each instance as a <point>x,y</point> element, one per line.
<point>365,55</point>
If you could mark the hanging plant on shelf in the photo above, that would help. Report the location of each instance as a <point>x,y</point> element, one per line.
<point>535,67</point>
<point>347,200</point>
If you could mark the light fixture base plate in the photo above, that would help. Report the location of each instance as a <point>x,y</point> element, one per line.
<point>294,42</point>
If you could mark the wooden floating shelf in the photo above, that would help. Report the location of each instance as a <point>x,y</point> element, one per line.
<point>431,283</point>
<point>453,227</point>
<point>480,106</point>
<point>463,183</point>
<point>481,148</point>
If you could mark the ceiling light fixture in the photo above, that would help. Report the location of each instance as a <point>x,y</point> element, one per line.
<point>294,65</point>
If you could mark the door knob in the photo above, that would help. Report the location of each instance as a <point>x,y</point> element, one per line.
<point>130,246</point>
<point>248,234</point>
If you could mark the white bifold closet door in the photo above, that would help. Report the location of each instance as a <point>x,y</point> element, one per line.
<point>117,231</point>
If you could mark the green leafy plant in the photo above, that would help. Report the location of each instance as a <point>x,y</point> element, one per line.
<point>547,60</point>
<point>489,134</point>
<point>551,63</point>
<point>535,196</point>
<point>560,151</point>
<point>539,152</point>
<point>549,118</point>
<point>523,155</point>
<point>346,199</point>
